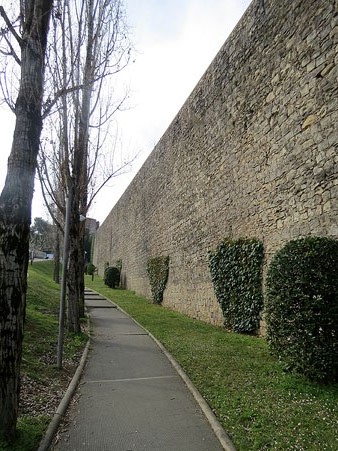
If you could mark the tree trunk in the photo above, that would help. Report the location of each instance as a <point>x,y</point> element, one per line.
<point>75,279</point>
<point>15,210</point>
<point>73,314</point>
<point>81,262</point>
<point>56,272</point>
<point>80,182</point>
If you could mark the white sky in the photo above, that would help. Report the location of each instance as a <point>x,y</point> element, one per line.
<point>176,40</point>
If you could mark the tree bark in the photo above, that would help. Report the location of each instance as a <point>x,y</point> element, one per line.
<point>81,283</point>
<point>73,313</point>
<point>15,209</point>
<point>56,271</point>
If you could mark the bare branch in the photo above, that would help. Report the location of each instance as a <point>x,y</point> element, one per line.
<point>89,47</point>
<point>119,171</point>
<point>12,51</point>
<point>5,89</point>
<point>10,26</point>
<point>62,92</point>
<point>51,211</point>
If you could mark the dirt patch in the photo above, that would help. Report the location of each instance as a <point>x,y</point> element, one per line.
<point>42,397</point>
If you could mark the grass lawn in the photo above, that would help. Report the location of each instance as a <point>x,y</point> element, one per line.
<point>42,383</point>
<point>259,405</point>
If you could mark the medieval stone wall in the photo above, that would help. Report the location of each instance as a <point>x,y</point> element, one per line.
<point>252,153</point>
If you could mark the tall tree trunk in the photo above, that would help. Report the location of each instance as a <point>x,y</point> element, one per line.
<point>75,273</point>
<point>80,173</point>
<point>56,272</point>
<point>73,313</point>
<point>15,209</point>
<point>81,266</point>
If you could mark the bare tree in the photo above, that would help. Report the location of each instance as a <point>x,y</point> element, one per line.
<point>90,45</point>
<point>27,32</point>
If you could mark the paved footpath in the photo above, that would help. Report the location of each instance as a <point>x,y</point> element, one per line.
<point>131,397</point>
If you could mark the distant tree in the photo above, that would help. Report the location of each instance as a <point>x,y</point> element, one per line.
<point>42,235</point>
<point>23,37</point>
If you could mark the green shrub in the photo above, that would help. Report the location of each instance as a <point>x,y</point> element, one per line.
<point>302,307</point>
<point>158,271</point>
<point>90,269</point>
<point>111,276</point>
<point>236,273</point>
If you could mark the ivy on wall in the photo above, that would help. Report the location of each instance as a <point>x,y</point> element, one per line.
<point>158,271</point>
<point>236,272</point>
<point>302,307</point>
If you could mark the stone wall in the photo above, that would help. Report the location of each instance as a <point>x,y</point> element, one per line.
<point>253,152</point>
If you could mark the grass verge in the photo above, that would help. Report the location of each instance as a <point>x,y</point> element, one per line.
<point>259,405</point>
<point>43,384</point>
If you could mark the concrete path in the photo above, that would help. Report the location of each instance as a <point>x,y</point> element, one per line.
<point>131,397</point>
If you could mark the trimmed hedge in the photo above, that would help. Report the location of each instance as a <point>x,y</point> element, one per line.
<point>111,276</point>
<point>302,307</point>
<point>236,273</point>
<point>90,269</point>
<point>158,271</point>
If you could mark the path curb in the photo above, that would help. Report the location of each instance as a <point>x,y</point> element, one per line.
<point>55,422</point>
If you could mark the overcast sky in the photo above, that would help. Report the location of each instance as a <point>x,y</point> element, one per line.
<point>176,40</point>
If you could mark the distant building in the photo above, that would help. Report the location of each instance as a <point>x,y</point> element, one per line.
<point>91,225</point>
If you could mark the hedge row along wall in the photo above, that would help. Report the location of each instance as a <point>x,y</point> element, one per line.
<point>252,153</point>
